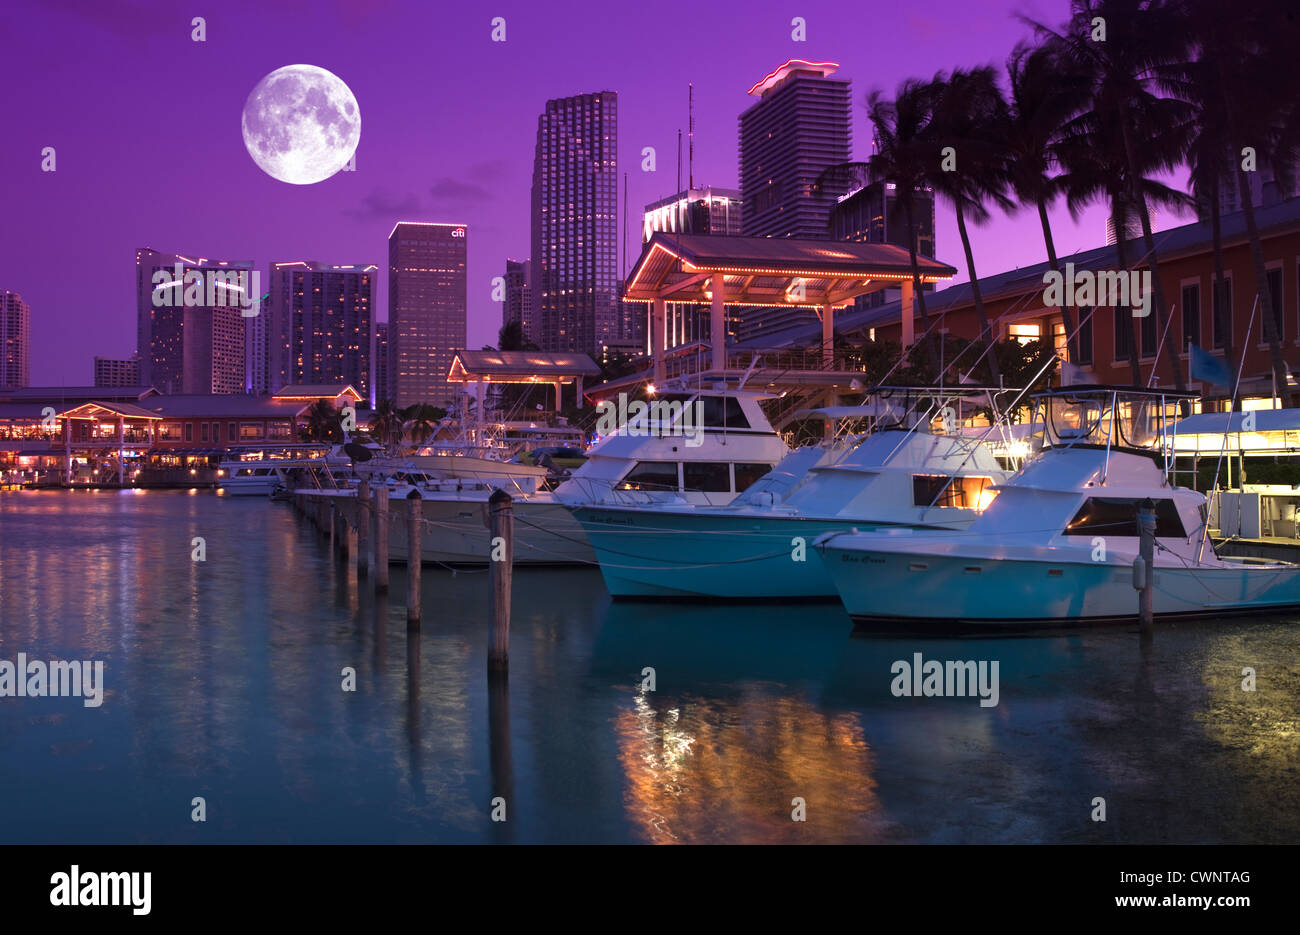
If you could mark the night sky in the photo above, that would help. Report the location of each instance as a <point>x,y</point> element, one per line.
<point>146,127</point>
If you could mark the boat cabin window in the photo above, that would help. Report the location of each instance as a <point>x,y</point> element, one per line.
<point>650,475</point>
<point>1117,516</point>
<point>746,474</point>
<point>973,492</point>
<point>707,476</point>
<point>722,412</point>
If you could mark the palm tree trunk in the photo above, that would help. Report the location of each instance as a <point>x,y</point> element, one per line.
<point>1118,215</point>
<point>1218,299</point>
<point>986,333</point>
<point>1138,200</point>
<point>1158,293</point>
<point>1067,315</point>
<point>1265,297</point>
<point>917,292</point>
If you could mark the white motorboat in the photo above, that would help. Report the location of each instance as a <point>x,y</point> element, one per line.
<point>700,446</point>
<point>1058,544</point>
<point>913,471</point>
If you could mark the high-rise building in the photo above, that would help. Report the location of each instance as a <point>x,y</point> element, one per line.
<point>426,310</point>
<point>799,127</point>
<point>383,388</point>
<point>319,320</point>
<point>114,372</point>
<point>1266,190</point>
<point>518,303</point>
<point>190,327</point>
<point>716,211</point>
<point>15,340</point>
<point>695,211</point>
<point>871,214</point>
<point>575,224</point>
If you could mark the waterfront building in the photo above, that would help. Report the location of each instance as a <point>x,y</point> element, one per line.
<point>1015,304</point>
<point>138,436</point>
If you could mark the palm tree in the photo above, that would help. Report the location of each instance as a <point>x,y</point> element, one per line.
<point>420,421</point>
<point>1198,81</point>
<point>1238,79</point>
<point>512,337</point>
<point>902,151</point>
<point>386,424</point>
<point>1142,36</point>
<point>1044,94</point>
<point>1094,167</point>
<point>970,115</point>
<point>322,423</point>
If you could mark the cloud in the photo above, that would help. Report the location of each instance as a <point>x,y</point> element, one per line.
<point>382,205</point>
<point>449,191</point>
<point>128,19</point>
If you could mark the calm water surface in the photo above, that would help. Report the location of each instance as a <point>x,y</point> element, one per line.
<point>223,680</point>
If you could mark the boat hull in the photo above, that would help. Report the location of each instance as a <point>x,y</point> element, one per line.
<point>456,532</point>
<point>648,554</point>
<point>887,587</point>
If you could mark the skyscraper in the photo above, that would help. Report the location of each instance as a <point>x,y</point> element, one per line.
<point>871,214</point>
<point>114,372</point>
<point>426,310</point>
<point>383,386</point>
<point>319,317</point>
<point>190,328</point>
<point>575,224</point>
<point>695,211</point>
<point>799,127</point>
<point>15,340</point>
<point>518,303</point>
<point>706,210</point>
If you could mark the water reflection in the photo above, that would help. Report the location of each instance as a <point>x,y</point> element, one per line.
<point>223,679</point>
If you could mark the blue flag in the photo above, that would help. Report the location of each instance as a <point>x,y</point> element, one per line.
<point>1207,367</point>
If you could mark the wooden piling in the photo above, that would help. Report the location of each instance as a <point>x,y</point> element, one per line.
<point>501,543</point>
<point>414,556</point>
<point>381,539</point>
<point>363,528</point>
<point>1147,552</point>
<point>340,529</point>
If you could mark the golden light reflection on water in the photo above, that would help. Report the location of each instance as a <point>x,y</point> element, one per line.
<point>705,769</point>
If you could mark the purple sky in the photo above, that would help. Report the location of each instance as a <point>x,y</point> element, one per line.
<point>146,126</point>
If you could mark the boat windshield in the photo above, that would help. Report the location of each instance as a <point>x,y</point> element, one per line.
<point>1110,417</point>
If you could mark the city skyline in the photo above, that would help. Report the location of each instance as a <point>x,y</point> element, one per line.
<point>466,158</point>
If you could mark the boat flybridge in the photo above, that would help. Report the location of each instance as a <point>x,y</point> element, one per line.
<point>916,467</point>
<point>697,445</point>
<point>1057,544</point>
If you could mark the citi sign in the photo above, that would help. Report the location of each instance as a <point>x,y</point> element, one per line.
<point>458,232</point>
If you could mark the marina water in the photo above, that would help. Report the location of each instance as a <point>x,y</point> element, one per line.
<point>223,680</point>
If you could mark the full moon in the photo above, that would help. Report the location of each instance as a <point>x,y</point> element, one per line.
<point>301,124</point>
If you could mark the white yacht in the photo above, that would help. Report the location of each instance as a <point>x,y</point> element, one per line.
<point>699,446</point>
<point>1057,545</point>
<point>909,472</point>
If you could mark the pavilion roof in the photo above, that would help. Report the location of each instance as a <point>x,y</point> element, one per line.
<point>768,271</point>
